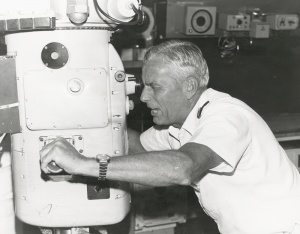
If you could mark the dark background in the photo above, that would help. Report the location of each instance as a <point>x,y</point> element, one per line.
<point>264,73</point>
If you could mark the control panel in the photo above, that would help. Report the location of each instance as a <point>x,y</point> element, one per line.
<point>283,22</point>
<point>194,19</point>
<point>234,22</point>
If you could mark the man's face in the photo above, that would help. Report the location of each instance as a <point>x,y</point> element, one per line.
<point>163,94</point>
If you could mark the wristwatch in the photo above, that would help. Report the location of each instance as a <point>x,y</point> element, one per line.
<point>103,160</point>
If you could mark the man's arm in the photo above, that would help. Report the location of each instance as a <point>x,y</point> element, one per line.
<point>156,168</point>
<point>135,145</point>
<point>163,168</point>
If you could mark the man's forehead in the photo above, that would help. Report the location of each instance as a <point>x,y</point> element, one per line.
<point>156,62</point>
<point>155,79</point>
<point>157,66</point>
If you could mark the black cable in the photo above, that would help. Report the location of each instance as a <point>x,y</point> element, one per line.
<point>137,21</point>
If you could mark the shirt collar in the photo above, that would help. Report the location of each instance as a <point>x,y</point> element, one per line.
<point>191,121</point>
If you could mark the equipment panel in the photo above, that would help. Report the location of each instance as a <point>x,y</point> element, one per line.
<point>234,22</point>
<point>198,20</point>
<point>81,95</point>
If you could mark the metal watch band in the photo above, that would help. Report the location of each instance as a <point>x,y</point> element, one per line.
<point>102,171</point>
<point>103,160</point>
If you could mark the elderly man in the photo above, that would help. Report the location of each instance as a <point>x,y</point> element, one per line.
<point>205,139</point>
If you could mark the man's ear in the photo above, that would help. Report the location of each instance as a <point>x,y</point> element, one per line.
<point>190,87</point>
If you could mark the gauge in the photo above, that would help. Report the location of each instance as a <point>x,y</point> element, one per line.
<point>201,21</point>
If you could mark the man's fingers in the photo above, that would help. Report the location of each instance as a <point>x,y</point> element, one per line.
<point>45,160</point>
<point>55,152</point>
<point>47,156</point>
<point>44,167</point>
<point>47,148</point>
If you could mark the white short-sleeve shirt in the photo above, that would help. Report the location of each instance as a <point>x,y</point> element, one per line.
<point>257,188</point>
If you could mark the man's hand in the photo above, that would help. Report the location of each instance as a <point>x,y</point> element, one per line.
<point>63,154</point>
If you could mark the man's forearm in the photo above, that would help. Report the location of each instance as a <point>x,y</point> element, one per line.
<point>161,168</point>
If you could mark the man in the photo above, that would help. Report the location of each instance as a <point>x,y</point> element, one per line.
<point>205,139</point>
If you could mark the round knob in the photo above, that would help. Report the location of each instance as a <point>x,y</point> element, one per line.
<point>52,167</point>
<point>120,76</point>
<point>75,85</point>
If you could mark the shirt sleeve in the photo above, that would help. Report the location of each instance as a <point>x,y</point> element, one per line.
<point>226,132</point>
<point>155,138</point>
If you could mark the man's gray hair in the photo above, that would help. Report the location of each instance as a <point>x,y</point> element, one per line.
<point>186,57</point>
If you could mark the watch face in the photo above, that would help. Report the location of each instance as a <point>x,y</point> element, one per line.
<point>102,158</point>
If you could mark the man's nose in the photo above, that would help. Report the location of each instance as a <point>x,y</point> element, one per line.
<point>144,95</point>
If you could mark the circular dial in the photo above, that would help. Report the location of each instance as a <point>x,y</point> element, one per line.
<point>201,21</point>
<point>55,55</point>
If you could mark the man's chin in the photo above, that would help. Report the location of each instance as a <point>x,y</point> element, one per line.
<point>158,121</point>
